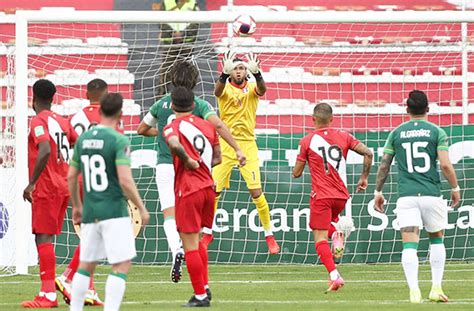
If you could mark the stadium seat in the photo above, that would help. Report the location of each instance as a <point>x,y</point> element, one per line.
<point>105,41</point>
<point>65,42</point>
<point>310,8</point>
<point>278,41</point>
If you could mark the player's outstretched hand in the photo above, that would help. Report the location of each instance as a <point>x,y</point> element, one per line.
<point>362,184</point>
<point>27,193</point>
<point>241,157</point>
<point>379,201</point>
<point>253,63</point>
<point>228,62</point>
<point>455,198</point>
<point>191,164</point>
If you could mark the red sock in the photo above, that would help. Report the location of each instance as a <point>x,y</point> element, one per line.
<point>324,253</point>
<point>47,264</point>
<point>331,230</point>
<point>91,281</point>
<point>204,258</point>
<point>195,270</point>
<point>73,265</point>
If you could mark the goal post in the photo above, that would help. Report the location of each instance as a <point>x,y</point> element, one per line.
<point>307,57</point>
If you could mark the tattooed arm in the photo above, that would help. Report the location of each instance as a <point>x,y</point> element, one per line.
<point>363,150</point>
<point>177,149</point>
<point>382,175</point>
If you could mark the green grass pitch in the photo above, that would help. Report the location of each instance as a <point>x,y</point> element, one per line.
<point>272,287</point>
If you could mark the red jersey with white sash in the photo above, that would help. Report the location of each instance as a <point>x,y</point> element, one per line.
<point>198,137</point>
<point>326,150</point>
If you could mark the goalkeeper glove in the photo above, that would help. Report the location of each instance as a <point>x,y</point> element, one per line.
<point>253,63</point>
<point>228,62</point>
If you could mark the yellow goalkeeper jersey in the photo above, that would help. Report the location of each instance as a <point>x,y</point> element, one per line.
<point>238,109</point>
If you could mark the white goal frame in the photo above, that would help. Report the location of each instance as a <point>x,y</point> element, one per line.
<point>23,18</point>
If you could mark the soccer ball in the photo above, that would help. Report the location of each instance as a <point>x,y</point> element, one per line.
<point>244,25</point>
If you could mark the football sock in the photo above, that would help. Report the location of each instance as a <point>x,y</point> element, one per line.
<point>437,260</point>
<point>334,274</point>
<point>114,291</point>
<point>204,259</point>
<point>264,213</point>
<point>91,283</point>
<point>47,265</point>
<point>80,283</point>
<point>325,254</point>
<point>172,235</point>
<point>410,263</point>
<point>195,270</point>
<point>331,231</point>
<point>73,265</point>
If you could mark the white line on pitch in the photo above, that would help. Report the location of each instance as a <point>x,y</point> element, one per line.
<point>250,281</point>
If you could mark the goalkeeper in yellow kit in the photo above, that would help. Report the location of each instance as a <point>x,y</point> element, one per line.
<point>237,100</point>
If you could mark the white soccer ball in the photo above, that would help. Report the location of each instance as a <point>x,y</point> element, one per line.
<point>244,25</point>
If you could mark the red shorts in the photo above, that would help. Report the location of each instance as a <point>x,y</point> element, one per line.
<point>195,211</point>
<point>48,212</point>
<point>325,211</point>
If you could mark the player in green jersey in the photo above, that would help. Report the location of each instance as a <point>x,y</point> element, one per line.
<point>102,156</point>
<point>160,114</point>
<point>416,145</point>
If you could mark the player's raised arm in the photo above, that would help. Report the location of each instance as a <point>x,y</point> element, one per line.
<point>147,126</point>
<point>363,150</point>
<point>448,171</point>
<point>253,64</point>
<point>227,67</point>
<point>216,155</point>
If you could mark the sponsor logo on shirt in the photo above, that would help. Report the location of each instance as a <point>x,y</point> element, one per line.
<point>39,130</point>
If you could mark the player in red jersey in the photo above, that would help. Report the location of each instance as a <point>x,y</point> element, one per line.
<point>325,150</point>
<point>81,122</point>
<point>49,143</point>
<point>195,148</point>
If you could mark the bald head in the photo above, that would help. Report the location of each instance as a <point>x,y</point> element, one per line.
<point>322,114</point>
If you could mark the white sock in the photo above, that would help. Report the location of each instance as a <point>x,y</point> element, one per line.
<point>437,261</point>
<point>172,235</point>
<point>201,297</point>
<point>80,285</point>
<point>50,296</point>
<point>410,266</point>
<point>207,230</point>
<point>333,275</point>
<point>114,290</point>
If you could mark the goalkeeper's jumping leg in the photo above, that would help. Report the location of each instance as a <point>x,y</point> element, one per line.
<point>263,210</point>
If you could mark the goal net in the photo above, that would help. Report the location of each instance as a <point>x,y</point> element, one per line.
<point>365,70</point>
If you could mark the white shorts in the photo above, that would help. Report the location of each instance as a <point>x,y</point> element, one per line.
<point>112,239</point>
<point>430,212</point>
<point>165,184</point>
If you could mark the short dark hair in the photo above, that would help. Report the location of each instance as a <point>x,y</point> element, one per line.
<point>44,90</point>
<point>417,102</point>
<point>111,104</point>
<point>184,73</point>
<point>323,113</point>
<point>182,99</point>
<point>96,88</point>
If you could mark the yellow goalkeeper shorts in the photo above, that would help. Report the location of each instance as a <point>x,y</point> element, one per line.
<point>250,171</point>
